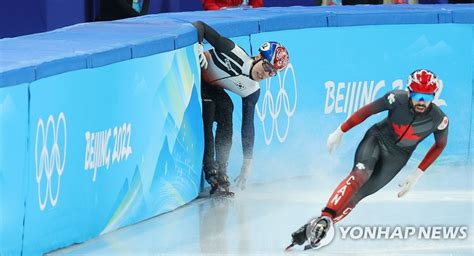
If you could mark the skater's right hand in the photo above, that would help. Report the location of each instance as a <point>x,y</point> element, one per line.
<point>410,182</point>
<point>334,140</point>
<point>202,57</point>
<point>241,180</point>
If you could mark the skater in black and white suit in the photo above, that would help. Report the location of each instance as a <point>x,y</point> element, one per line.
<point>229,67</point>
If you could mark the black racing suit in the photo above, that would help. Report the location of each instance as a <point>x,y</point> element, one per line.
<point>386,148</point>
<point>229,67</point>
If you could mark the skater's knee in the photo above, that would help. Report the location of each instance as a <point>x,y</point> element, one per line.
<point>225,126</point>
<point>359,175</point>
<point>224,119</point>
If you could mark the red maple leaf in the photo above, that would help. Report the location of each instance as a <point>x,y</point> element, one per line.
<point>424,77</point>
<point>400,130</point>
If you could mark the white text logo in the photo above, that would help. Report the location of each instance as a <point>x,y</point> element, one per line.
<point>360,166</point>
<point>273,107</point>
<point>344,214</point>
<point>50,157</point>
<point>340,193</point>
<point>98,153</point>
<point>348,97</point>
<point>404,233</point>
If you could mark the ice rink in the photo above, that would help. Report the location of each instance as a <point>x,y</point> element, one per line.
<point>260,219</point>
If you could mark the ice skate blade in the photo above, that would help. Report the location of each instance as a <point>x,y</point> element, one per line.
<point>288,248</point>
<point>223,194</point>
<point>311,247</point>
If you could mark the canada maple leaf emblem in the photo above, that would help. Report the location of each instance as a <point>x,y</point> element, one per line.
<point>424,77</point>
<point>406,131</point>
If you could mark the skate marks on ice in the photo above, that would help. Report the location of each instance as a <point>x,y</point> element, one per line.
<point>260,220</point>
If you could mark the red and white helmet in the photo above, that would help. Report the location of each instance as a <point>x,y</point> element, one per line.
<point>423,81</point>
<point>276,54</point>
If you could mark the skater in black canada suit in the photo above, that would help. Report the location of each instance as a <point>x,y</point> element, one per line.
<point>384,151</point>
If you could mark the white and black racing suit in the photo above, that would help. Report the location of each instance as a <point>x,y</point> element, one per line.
<point>229,68</point>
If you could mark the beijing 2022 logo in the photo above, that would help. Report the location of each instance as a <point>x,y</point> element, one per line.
<point>50,158</point>
<point>273,108</point>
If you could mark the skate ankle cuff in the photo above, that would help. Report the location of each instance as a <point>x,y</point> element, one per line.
<point>328,212</point>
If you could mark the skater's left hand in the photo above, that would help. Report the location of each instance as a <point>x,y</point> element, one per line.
<point>334,140</point>
<point>410,182</point>
<point>241,180</point>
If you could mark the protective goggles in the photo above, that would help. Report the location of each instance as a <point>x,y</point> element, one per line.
<point>422,96</point>
<point>267,67</point>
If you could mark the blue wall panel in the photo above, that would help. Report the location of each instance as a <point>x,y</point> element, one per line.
<point>471,141</point>
<point>111,146</point>
<point>13,165</point>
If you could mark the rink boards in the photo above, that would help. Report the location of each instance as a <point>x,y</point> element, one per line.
<point>101,135</point>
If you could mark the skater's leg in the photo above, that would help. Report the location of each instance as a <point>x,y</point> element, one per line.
<point>390,163</point>
<point>208,117</point>
<point>348,209</point>
<point>224,132</point>
<point>224,110</point>
<point>365,159</point>
<point>209,96</point>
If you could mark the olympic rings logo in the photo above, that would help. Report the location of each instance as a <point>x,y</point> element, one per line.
<point>49,158</point>
<point>273,108</point>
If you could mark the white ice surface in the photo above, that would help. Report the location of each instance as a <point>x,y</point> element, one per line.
<point>259,221</point>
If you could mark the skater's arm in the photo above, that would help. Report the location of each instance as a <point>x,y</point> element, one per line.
<point>220,43</point>
<point>363,113</point>
<point>248,129</point>
<point>441,139</point>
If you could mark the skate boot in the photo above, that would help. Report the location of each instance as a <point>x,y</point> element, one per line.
<point>216,177</point>
<point>313,232</point>
<point>223,181</point>
<point>211,176</point>
<point>317,230</point>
